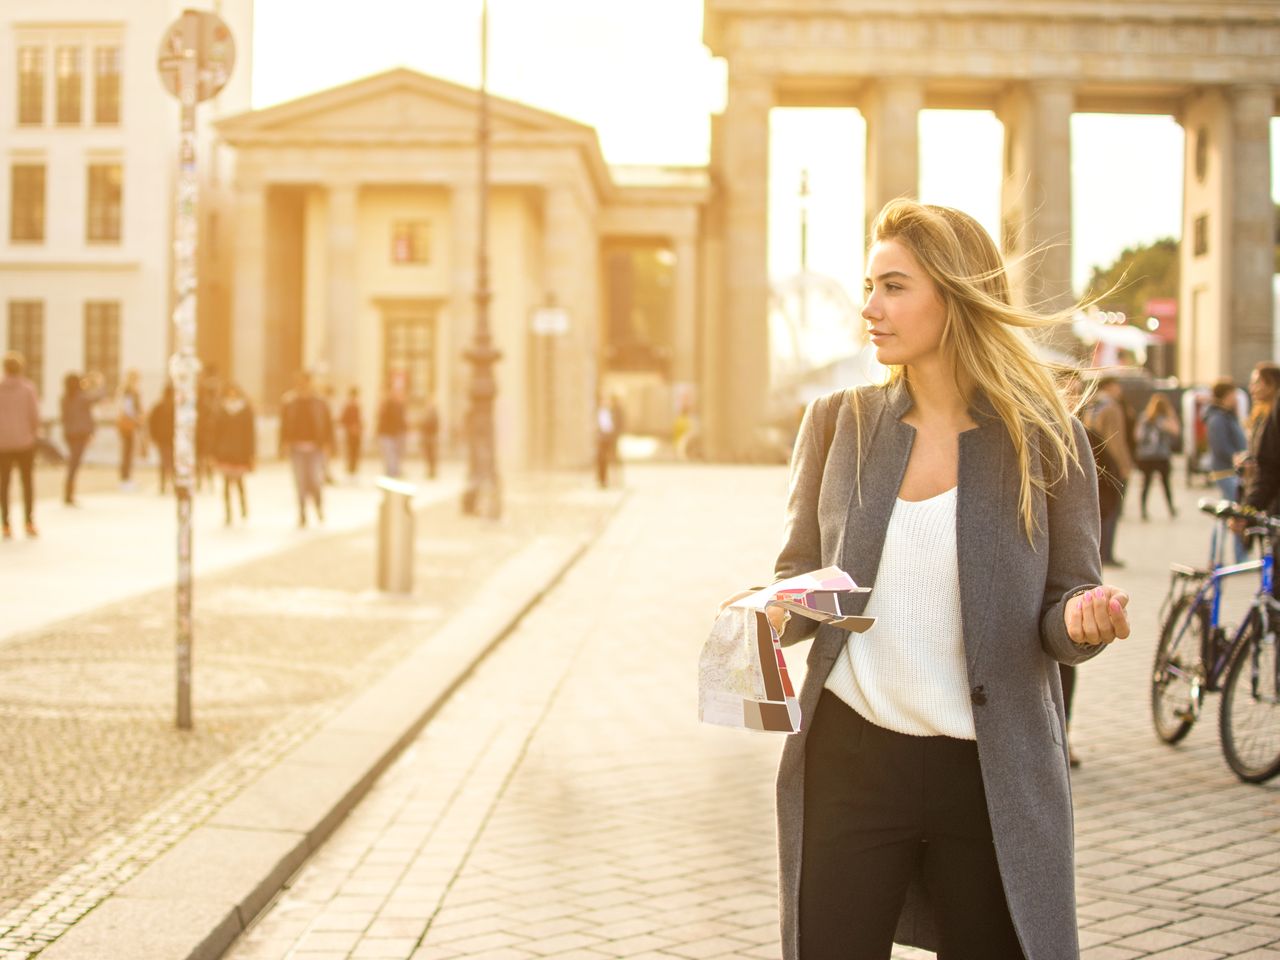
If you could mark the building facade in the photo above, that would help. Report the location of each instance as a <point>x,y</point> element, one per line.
<point>87,166</point>
<point>355,232</point>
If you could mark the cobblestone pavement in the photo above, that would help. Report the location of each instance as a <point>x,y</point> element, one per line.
<point>567,804</point>
<point>98,782</point>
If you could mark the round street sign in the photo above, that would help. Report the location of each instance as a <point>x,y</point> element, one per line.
<point>205,38</point>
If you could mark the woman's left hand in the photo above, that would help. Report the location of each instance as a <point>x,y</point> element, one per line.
<point>1098,616</point>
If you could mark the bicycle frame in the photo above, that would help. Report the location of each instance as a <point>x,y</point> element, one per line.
<point>1267,608</point>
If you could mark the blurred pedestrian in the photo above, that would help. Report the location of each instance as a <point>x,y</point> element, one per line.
<point>606,442</point>
<point>353,430</point>
<point>327,395</point>
<point>1227,443</point>
<point>129,423</point>
<point>160,425</point>
<point>393,428</point>
<point>1158,428</point>
<point>1106,418</point>
<point>208,395</point>
<point>306,435</point>
<point>234,446</point>
<point>19,428</point>
<point>1264,386</point>
<point>79,395</point>
<point>429,430</point>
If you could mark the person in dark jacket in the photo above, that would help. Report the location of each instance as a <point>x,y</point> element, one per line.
<point>160,427</point>
<point>306,434</point>
<point>353,429</point>
<point>78,399</point>
<point>393,427</point>
<point>19,431</point>
<point>234,445</point>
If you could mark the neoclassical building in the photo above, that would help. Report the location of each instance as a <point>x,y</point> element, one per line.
<point>351,251</point>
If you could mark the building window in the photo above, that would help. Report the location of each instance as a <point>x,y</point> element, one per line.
<point>105,197</point>
<point>408,353</point>
<point>1201,236</point>
<point>26,336</point>
<point>30,85</point>
<point>106,86</point>
<point>411,241</point>
<point>70,84</point>
<point>26,203</point>
<point>102,340</point>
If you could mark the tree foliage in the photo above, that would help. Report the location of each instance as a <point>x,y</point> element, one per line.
<point>1137,275</point>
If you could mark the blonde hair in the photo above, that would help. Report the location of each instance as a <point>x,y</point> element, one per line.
<point>986,337</point>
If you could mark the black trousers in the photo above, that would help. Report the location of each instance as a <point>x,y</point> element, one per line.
<point>25,461</point>
<point>878,805</point>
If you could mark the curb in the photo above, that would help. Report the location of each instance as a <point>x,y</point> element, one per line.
<point>200,895</point>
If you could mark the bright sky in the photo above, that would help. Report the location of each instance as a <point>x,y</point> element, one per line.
<point>637,71</point>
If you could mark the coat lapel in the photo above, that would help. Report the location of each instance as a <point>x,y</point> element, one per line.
<point>871,502</point>
<point>979,501</point>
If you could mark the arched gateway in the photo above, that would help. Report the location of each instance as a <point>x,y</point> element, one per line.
<point>1214,66</point>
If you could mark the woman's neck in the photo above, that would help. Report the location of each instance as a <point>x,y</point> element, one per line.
<point>935,393</point>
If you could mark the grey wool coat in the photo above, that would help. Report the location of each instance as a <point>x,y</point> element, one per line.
<point>1012,597</point>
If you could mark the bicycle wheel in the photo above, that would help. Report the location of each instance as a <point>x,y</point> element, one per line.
<point>1250,713</point>
<point>1177,677</point>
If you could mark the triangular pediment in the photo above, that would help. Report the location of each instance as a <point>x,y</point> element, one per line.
<point>398,100</point>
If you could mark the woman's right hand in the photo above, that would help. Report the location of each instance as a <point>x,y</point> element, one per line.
<point>776,614</point>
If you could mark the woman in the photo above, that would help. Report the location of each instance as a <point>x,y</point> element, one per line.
<point>393,427</point>
<point>78,399</point>
<point>234,445</point>
<point>926,798</point>
<point>128,420</point>
<point>1158,428</point>
<point>1264,384</point>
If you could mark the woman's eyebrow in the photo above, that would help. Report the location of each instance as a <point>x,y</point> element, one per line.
<point>887,275</point>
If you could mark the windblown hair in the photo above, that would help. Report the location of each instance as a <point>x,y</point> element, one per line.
<point>986,337</point>
<point>1268,373</point>
<point>1157,406</point>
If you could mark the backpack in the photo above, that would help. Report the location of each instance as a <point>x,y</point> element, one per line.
<point>1153,443</point>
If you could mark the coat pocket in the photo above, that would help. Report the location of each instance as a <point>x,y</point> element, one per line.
<point>1055,725</point>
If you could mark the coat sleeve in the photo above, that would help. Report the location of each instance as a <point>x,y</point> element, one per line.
<point>802,538</point>
<point>1074,559</point>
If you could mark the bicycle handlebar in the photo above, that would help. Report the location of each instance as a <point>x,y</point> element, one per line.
<point>1228,510</point>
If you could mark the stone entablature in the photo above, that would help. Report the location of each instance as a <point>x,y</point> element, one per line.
<point>1167,44</point>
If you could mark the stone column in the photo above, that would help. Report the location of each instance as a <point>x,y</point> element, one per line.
<point>740,353</point>
<point>1225,298</point>
<point>1252,261</point>
<point>343,319</point>
<point>565,378</point>
<point>1036,195</point>
<point>456,335</point>
<point>891,109</point>
<point>249,295</point>
<point>684,366</point>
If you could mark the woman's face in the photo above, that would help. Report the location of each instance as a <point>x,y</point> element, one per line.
<point>1259,391</point>
<point>905,314</point>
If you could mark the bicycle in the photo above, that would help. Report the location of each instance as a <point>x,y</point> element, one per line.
<point>1195,656</point>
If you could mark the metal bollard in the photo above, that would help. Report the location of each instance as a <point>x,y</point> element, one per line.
<point>395,536</point>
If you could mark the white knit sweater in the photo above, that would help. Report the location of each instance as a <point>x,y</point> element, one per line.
<point>907,673</point>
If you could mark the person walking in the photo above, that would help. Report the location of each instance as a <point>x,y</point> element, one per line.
<point>926,798</point>
<point>19,430</point>
<point>160,425</point>
<point>235,445</point>
<point>1227,444</point>
<point>129,421</point>
<point>353,430</point>
<point>429,431</point>
<point>392,428</point>
<point>306,435</point>
<point>1158,429</point>
<point>1106,417</point>
<point>606,442</point>
<point>79,395</point>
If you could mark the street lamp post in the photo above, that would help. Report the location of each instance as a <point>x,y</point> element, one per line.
<point>196,56</point>
<point>482,495</point>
